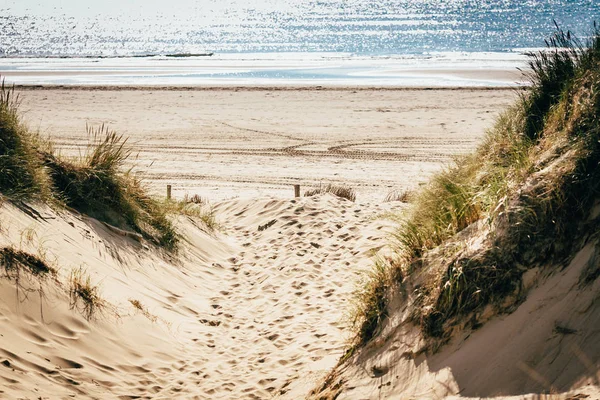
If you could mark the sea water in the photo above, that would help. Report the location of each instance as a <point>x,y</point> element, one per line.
<point>213,42</point>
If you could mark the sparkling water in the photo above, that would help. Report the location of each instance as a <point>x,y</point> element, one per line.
<point>266,40</point>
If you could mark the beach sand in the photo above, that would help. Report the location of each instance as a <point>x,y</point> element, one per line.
<point>259,308</point>
<point>238,313</point>
<point>245,142</point>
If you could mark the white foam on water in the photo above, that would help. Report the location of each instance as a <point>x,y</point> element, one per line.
<point>247,69</point>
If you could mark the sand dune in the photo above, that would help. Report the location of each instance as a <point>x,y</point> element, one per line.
<point>549,344</point>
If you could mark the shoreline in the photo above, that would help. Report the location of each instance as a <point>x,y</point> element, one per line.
<point>260,88</point>
<point>288,71</point>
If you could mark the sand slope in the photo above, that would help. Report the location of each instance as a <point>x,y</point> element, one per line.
<point>548,348</point>
<point>241,313</point>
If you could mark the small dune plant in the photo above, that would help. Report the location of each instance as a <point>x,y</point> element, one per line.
<point>84,296</point>
<point>209,219</point>
<point>195,207</point>
<point>525,195</point>
<point>14,261</point>
<point>403,196</point>
<point>344,192</point>
<point>141,308</point>
<point>194,199</point>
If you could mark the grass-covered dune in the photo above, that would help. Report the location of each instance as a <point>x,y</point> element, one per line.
<point>97,183</point>
<point>522,201</point>
<point>527,190</point>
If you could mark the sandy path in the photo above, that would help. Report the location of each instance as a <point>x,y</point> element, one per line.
<point>224,143</point>
<point>281,310</point>
<point>249,313</point>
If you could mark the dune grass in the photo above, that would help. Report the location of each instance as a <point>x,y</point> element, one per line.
<point>14,260</point>
<point>21,175</point>
<point>370,305</point>
<point>403,196</point>
<point>97,184</point>
<point>525,192</point>
<point>196,207</point>
<point>84,296</point>
<point>195,199</point>
<point>338,190</point>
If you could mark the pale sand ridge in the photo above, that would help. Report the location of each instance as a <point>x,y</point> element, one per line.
<point>548,343</point>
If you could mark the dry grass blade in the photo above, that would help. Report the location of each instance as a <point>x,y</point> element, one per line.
<point>344,192</point>
<point>13,260</point>
<point>403,196</point>
<point>141,308</point>
<point>195,199</point>
<point>82,291</point>
<point>107,151</point>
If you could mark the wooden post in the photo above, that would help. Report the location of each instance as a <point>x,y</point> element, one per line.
<point>296,190</point>
<point>168,192</point>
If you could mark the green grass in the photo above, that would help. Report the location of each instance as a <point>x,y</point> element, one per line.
<point>524,194</point>
<point>21,175</point>
<point>337,190</point>
<point>370,307</point>
<point>552,70</point>
<point>99,185</point>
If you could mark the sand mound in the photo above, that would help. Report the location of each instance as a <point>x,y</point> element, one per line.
<point>494,292</point>
<point>549,344</point>
<point>252,311</point>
